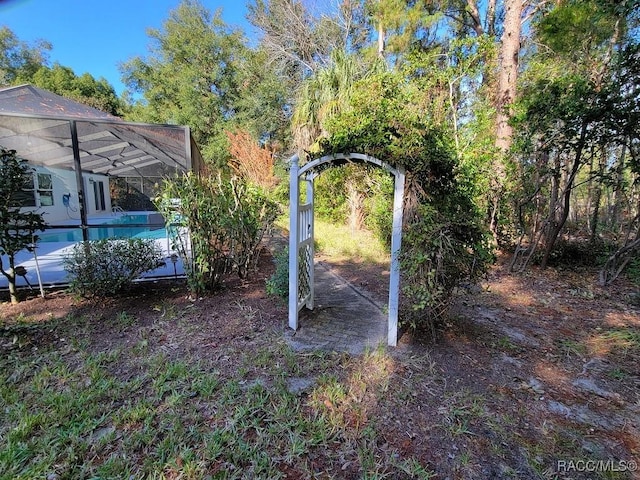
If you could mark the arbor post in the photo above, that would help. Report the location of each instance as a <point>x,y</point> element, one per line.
<point>294,203</point>
<point>396,241</point>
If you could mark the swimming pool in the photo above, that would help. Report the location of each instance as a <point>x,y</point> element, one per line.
<point>147,225</point>
<point>56,244</point>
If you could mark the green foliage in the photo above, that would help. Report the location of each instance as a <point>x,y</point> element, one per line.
<point>633,273</point>
<point>379,207</point>
<point>84,88</point>
<point>575,29</point>
<point>324,95</point>
<point>329,196</point>
<point>381,123</point>
<point>262,96</point>
<point>225,219</point>
<point>199,72</point>
<point>17,225</point>
<point>444,242</point>
<point>102,268</point>
<point>278,283</point>
<point>442,248</point>
<point>576,127</point>
<point>578,253</point>
<point>23,63</point>
<point>19,60</point>
<point>372,186</point>
<point>559,107</point>
<point>190,77</point>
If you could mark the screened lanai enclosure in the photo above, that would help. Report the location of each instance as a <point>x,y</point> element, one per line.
<point>94,176</point>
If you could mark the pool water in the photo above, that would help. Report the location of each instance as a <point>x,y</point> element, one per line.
<point>118,228</point>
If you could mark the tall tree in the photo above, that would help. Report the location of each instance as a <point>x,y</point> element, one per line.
<point>470,16</point>
<point>397,24</point>
<point>23,63</point>
<point>263,101</point>
<point>570,113</point>
<point>191,75</point>
<point>322,97</point>
<point>19,61</point>
<point>508,72</point>
<point>297,41</point>
<point>84,88</point>
<point>506,84</point>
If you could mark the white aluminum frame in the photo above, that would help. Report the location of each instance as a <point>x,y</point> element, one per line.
<point>301,233</point>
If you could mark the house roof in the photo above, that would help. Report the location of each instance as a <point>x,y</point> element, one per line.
<point>28,99</point>
<point>39,126</point>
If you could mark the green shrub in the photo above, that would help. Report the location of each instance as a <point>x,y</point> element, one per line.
<point>443,243</point>
<point>440,252</point>
<point>379,207</point>
<point>577,253</point>
<point>633,274</point>
<point>226,220</point>
<point>330,200</point>
<point>278,283</point>
<point>106,267</point>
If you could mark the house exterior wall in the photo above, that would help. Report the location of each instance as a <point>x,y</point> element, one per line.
<point>64,183</point>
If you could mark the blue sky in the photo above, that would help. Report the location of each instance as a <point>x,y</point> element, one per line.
<point>95,36</point>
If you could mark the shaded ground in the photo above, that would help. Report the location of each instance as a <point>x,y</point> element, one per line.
<point>534,374</point>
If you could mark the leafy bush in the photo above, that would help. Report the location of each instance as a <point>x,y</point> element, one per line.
<point>107,267</point>
<point>439,253</point>
<point>218,226</point>
<point>577,252</point>
<point>330,201</point>
<point>278,283</point>
<point>379,208</point>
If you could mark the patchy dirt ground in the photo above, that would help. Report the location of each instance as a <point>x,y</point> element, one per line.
<point>535,376</point>
<point>547,358</point>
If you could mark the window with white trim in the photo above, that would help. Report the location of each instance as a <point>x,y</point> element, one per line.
<point>45,189</point>
<point>36,192</point>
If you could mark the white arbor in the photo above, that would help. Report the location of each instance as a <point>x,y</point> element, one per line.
<point>301,234</point>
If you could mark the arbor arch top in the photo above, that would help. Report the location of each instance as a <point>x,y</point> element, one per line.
<point>301,233</point>
<point>313,168</point>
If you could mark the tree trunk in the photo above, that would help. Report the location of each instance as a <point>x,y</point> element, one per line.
<point>595,217</point>
<point>597,198</point>
<point>11,277</point>
<point>556,227</point>
<point>618,193</point>
<point>356,210</point>
<point>474,13</point>
<point>617,262</point>
<point>506,94</point>
<point>491,18</point>
<point>508,72</point>
<point>590,193</point>
<point>380,39</point>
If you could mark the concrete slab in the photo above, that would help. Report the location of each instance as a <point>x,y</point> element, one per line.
<point>344,319</point>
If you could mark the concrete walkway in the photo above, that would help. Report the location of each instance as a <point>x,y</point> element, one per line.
<point>344,318</point>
